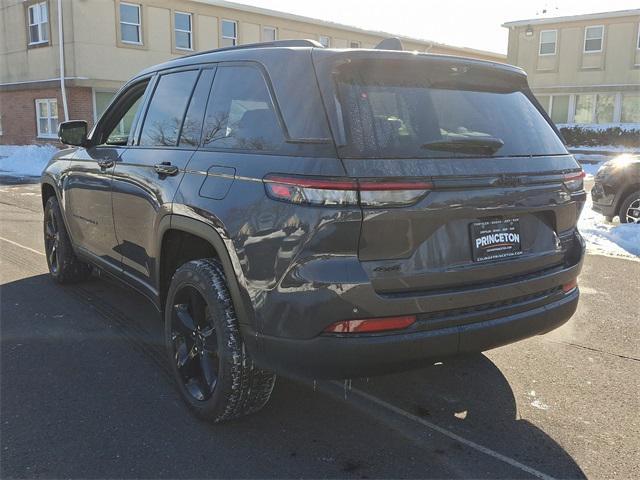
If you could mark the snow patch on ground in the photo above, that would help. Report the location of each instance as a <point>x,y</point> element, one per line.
<point>24,160</point>
<point>612,239</point>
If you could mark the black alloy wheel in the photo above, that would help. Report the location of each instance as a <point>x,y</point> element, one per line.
<point>195,343</point>
<point>52,241</point>
<point>213,369</point>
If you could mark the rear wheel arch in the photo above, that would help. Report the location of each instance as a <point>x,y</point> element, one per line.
<point>182,239</point>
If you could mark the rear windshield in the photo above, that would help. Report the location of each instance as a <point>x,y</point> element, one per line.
<point>399,111</point>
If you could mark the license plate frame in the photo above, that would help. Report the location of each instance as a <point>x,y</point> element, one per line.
<point>496,239</point>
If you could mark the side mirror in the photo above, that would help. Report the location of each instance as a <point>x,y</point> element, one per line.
<point>73,132</point>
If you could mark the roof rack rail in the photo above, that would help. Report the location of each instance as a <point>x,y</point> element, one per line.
<point>276,43</point>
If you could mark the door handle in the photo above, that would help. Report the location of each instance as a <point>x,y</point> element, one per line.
<point>165,168</point>
<point>104,164</point>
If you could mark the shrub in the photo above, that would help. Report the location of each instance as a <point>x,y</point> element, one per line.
<point>594,136</point>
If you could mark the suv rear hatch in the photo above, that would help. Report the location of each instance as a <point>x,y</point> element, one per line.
<point>499,194</point>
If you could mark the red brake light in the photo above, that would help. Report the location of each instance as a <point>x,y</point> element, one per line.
<point>574,181</point>
<point>370,325</point>
<point>569,286</point>
<point>328,191</point>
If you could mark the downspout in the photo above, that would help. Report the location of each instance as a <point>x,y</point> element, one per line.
<point>61,49</point>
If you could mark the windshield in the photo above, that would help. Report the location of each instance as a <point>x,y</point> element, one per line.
<point>403,113</point>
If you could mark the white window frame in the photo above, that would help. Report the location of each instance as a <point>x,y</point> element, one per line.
<point>37,8</point>
<point>235,27</point>
<point>320,37</point>
<point>273,29</point>
<point>139,24</point>
<point>189,32</point>
<point>555,44</point>
<point>47,102</point>
<point>584,43</point>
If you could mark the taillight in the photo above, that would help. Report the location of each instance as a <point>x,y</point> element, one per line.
<point>370,325</point>
<point>329,191</point>
<point>570,286</point>
<point>574,181</point>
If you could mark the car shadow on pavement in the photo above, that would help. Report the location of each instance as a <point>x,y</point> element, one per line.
<point>86,392</point>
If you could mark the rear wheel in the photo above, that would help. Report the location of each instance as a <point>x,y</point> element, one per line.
<point>630,208</point>
<point>64,266</point>
<point>215,374</point>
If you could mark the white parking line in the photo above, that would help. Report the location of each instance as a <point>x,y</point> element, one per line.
<point>447,433</point>
<point>21,246</point>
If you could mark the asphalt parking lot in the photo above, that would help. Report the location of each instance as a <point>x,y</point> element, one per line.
<point>86,393</point>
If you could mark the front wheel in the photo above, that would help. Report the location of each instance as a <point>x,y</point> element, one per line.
<point>216,376</point>
<point>63,264</point>
<point>630,208</point>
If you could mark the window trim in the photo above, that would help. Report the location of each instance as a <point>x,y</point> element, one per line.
<point>328,45</point>
<point>584,44</point>
<point>236,31</point>
<point>555,43</point>
<point>40,24</point>
<point>139,24</point>
<point>269,27</point>
<point>46,101</point>
<point>176,30</point>
<point>358,44</point>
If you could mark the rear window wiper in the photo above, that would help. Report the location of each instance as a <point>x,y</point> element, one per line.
<point>485,145</point>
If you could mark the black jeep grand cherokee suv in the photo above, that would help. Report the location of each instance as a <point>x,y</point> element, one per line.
<point>332,213</point>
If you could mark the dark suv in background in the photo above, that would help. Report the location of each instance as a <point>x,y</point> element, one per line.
<point>330,213</point>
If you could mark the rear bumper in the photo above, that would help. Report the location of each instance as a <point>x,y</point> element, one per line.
<point>332,356</point>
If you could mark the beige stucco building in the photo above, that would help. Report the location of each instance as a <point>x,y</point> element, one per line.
<point>584,69</point>
<point>108,41</point>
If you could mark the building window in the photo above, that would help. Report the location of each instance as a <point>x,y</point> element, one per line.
<point>354,44</point>
<point>605,104</point>
<point>560,108</point>
<point>548,41</point>
<point>630,108</point>
<point>130,30</point>
<point>638,41</point>
<point>584,108</point>
<point>183,31</point>
<point>324,41</point>
<point>38,23</point>
<point>545,101</point>
<point>593,38</point>
<point>269,34</point>
<point>229,33</point>
<point>47,117</point>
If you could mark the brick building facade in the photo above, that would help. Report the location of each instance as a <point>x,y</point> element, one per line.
<point>19,115</point>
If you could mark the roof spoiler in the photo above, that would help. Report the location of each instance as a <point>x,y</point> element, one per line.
<point>392,43</point>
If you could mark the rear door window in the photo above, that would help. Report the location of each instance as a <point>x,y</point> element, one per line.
<point>241,114</point>
<point>163,121</point>
<point>396,112</point>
